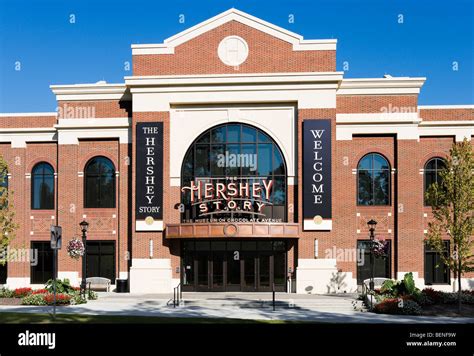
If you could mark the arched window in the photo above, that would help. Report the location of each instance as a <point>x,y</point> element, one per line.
<point>433,168</point>
<point>99,183</point>
<point>42,186</point>
<point>228,158</point>
<point>373,180</point>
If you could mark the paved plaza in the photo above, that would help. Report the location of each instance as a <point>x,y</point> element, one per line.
<point>343,308</point>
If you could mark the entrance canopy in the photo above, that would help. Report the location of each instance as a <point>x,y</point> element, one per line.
<point>261,230</point>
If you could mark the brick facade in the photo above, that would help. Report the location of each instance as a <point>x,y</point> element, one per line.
<point>402,222</point>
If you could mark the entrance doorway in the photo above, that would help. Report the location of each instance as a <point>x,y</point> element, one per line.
<point>247,266</point>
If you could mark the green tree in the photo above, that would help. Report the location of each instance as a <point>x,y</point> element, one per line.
<point>7,213</point>
<point>452,202</point>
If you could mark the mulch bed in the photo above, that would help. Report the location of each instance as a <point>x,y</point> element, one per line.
<point>450,310</point>
<point>10,301</point>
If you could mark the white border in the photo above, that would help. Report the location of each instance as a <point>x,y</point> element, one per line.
<point>141,225</point>
<point>310,225</point>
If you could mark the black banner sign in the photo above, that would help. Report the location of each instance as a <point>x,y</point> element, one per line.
<point>317,169</point>
<point>149,171</point>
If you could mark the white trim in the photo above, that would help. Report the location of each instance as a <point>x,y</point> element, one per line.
<point>403,131</point>
<point>240,78</point>
<point>19,137</point>
<point>169,44</point>
<point>448,123</point>
<point>310,225</point>
<point>277,121</point>
<point>26,114</point>
<point>116,122</point>
<point>97,91</point>
<point>26,130</point>
<point>408,131</point>
<point>141,225</point>
<point>441,107</point>
<point>72,136</point>
<point>459,132</point>
<point>381,86</point>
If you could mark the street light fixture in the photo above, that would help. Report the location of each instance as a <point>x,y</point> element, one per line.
<point>84,226</point>
<point>372,224</point>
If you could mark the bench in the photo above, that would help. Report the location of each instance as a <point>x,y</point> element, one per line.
<point>96,283</point>
<point>378,282</point>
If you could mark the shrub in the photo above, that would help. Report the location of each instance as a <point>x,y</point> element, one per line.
<point>435,295</point>
<point>410,308</point>
<point>91,295</point>
<point>6,293</point>
<point>387,286</point>
<point>21,292</point>
<point>409,284</point>
<point>449,298</point>
<point>468,292</point>
<point>62,286</point>
<point>423,299</point>
<point>76,298</point>
<point>33,299</point>
<point>387,306</point>
<point>400,288</point>
<point>404,306</point>
<point>61,298</point>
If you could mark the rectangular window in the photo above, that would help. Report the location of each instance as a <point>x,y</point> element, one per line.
<point>42,271</point>
<point>436,272</point>
<point>3,273</point>
<point>101,259</point>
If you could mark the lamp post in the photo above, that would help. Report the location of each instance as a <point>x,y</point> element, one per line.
<point>84,226</point>
<point>372,224</point>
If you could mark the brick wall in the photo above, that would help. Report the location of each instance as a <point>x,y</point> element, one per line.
<point>94,109</point>
<point>27,121</point>
<point>376,103</point>
<point>446,114</point>
<point>267,54</point>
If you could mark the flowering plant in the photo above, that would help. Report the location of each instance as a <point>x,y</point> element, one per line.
<point>75,248</point>
<point>380,248</point>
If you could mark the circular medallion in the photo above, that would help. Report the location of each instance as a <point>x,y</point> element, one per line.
<point>233,50</point>
<point>149,220</point>
<point>318,219</point>
<point>230,230</point>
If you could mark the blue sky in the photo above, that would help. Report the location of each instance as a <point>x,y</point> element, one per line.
<point>38,35</point>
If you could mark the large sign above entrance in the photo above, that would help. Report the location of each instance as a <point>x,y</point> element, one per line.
<point>215,199</point>
<point>317,202</point>
<point>149,177</point>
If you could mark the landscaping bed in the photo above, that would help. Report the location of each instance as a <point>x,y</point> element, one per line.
<point>403,298</point>
<point>10,301</point>
<point>65,295</point>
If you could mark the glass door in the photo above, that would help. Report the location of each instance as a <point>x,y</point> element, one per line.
<point>202,265</point>
<point>217,273</point>
<point>249,271</point>
<point>233,268</point>
<point>264,275</point>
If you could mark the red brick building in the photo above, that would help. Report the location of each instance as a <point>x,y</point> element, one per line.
<point>236,157</point>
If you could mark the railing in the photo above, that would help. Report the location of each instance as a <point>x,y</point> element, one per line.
<point>177,295</point>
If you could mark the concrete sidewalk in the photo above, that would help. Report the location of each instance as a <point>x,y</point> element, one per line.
<point>343,308</point>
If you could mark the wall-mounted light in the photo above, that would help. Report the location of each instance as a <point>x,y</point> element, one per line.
<point>177,269</point>
<point>316,248</point>
<point>151,248</point>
